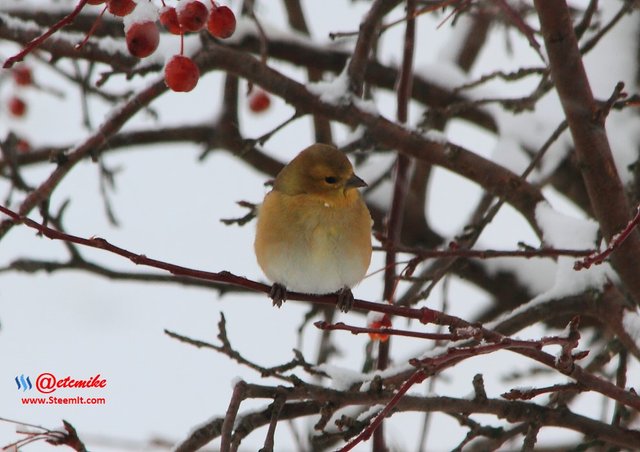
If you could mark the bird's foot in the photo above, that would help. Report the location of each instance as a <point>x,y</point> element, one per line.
<point>345,299</point>
<point>278,294</point>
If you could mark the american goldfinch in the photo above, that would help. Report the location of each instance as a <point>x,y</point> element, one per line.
<point>314,229</point>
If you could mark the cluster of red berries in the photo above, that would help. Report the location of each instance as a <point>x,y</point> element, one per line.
<point>142,35</point>
<point>181,73</point>
<point>22,77</point>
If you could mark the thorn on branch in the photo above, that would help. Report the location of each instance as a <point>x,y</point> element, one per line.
<point>69,437</point>
<point>250,143</point>
<point>565,361</point>
<point>275,408</point>
<point>239,394</point>
<point>350,424</point>
<point>326,412</point>
<point>44,212</point>
<point>376,385</point>
<point>478,388</point>
<point>456,335</point>
<point>241,221</point>
<point>531,438</point>
<point>59,157</point>
<point>475,430</point>
<point>521,25</point>
<point>10,148</point>
<point>530,393</point>
<point>200,436</point>
<point>600,115</point>
<point>108,182</point>
<point>599,257</point>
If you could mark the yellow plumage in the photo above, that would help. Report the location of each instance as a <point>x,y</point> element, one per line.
<point>314,229</point>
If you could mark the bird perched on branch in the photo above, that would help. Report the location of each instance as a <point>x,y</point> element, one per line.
<point>314,229</point>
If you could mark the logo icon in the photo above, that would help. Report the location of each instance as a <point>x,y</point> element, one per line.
<point>46,383</point>
<point>23,382</point>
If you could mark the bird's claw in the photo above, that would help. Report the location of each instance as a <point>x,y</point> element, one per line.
<point>278,294</point>
<point>345,299</point>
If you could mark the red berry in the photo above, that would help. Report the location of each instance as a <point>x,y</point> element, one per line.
<point>192,15</point>
<point>17,107</point>
<point>142,38</point>
<point>384,322</point>
<point>121,7</point>
<point>169,18</point>
<point>181,74</point>
<point>259,101</point>
<point>23,146</point>
<point>22,75</point>
<point>222,22</point>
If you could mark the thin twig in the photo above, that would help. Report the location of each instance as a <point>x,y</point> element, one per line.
<point>237,397</point>
<point>33,44</point>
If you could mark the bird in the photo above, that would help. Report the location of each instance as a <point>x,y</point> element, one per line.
<point>313,232</point>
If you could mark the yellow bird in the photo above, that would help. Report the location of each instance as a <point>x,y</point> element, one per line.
<point>314,229</point>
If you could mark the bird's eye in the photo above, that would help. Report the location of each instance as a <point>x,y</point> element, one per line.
<point>330,180</point>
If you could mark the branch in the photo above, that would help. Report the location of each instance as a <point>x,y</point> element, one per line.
<point>424,315</point>
<point>530,393</point>
<point>120,115</point>
<point>61,44</point>
<point>454,251</point>
<point>493,177</point>
<point>366,38</point>
<point>401,185</point>
<point>216,136</point>
<point>294,51</point>
<point>34,265</point>
<point>33,44</point>
<point>587,129</point>
<point>617,240</point>
<point>308,405</point>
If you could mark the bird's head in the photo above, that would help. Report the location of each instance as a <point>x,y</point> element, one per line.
<point>319,169</point>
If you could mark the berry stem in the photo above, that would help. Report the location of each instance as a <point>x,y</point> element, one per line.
<point>31,45</point>
<point>93,29</point>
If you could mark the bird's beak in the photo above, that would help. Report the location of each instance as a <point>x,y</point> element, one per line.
<point>355,182</point>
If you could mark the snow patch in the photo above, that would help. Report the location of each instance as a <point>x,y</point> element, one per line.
<point>353,411</point>
<point>571,282</point>
<point>372,411</point>
<point>143,12</point>
<point>335,92</point>
<point>374,317</point>
<point>562,231</point>
<point>182,5</point>
<point>341,378</point>
<point>444,74</point>
<point>536,274</point>
<point>436,136</point>
<point>508,153</point>
<point>631,324</point>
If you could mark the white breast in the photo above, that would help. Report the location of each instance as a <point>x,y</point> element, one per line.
<point>316,260</point>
